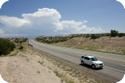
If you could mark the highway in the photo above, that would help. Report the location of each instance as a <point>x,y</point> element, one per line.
<point>114,68</point>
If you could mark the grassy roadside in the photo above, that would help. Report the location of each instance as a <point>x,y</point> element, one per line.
<point>114,45</point>
<point>90,49</point>
<point>21,44</point>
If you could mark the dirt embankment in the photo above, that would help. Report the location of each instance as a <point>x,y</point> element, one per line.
<point>24,68</point>
<point>32,66</point>
<point>103,44</point>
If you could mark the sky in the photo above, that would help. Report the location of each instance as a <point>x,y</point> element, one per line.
<point>60,17</point>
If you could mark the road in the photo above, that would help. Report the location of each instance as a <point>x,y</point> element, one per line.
<point>114,68</point>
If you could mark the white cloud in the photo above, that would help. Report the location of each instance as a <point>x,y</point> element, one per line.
<point>2,2</point>
<point>73,26</point>
<point>122,2</point>
<point>46,12</point>
<point>13,21</point>
<point>44,21</point>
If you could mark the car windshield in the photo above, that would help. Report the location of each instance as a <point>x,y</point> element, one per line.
<point>94,59</point>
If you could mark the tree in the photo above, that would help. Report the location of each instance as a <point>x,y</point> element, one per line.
<point>114,33</point>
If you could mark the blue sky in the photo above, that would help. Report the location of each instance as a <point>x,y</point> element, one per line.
<point>93,16</point>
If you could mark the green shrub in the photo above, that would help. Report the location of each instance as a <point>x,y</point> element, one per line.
<point>94,36</point>
<point>6,46</point>
<point>20,40</point>
<point>121,34</point>
<point>114,33</point>
<point>54,39</point>
<point>21,47</point>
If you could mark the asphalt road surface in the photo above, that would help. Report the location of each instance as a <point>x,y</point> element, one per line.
<point>114,68</point>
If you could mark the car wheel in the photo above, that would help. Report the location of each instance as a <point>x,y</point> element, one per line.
<point>82,62</point>
<point>102,67</point>
<point>93,66</point>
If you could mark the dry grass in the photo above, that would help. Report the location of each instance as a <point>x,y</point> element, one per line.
<point>103,44</point>
<point>24,68</point>
<point>59,70</point>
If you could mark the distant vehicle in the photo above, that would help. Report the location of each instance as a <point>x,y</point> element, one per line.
<point>92,61</point>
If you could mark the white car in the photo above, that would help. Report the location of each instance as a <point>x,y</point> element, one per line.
<point>92,61</point>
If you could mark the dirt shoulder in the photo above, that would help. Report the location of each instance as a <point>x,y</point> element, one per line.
<point>24,68</point>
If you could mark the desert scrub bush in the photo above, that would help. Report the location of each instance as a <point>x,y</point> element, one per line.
<point>20,40</point>
<point>94,36</point>
<point>21,47</point>
<point>6,46</point>
<point>52,39</point>
<point>114,33</point>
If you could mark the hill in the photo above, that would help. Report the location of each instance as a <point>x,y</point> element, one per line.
<point>103,44</point>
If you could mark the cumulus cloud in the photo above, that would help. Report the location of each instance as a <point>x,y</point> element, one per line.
<point>75,26</point>
<point>122,2</point>
<point>44,21</point>
<point>2,2</point>
<point>13,21</point>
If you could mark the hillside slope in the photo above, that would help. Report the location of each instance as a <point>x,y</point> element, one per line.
<point>24,68</point>
<point>103,44</point>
